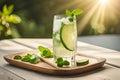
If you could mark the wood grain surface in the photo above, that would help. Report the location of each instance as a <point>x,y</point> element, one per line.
<point>45,65</point>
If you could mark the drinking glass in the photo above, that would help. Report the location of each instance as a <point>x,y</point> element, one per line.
<point>65,38</point>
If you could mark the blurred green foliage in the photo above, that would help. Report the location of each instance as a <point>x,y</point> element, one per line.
<point>37,17</point>
<point>6,17</point>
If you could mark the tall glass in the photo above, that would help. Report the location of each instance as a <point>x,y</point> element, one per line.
<point>65,38</point>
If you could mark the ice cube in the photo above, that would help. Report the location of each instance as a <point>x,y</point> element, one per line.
<point>65,20</point>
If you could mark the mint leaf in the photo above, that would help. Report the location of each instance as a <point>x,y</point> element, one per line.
<point>41,48</point>
<point>17,57</point>
<point>27,58</point>
<point>45,52</point>
<point>68,13</point>
<point>31,58</point>
<point>34,59</point>
<point>60,62</point>
<point>52,55</point>
<point>73,13</point>
<point>77,12</point>
<point>66,62</point>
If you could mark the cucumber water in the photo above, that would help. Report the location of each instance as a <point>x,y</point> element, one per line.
<point>64,38</point>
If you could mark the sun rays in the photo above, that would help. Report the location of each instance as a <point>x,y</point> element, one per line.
<point>96,16</point>
<point>97,13</point>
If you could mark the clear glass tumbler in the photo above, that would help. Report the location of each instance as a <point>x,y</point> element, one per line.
<point>65,38</point>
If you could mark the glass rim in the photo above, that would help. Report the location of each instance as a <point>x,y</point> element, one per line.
<point>62,15</point>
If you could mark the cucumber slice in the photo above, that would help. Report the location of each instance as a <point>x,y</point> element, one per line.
<point>82,62</point>
<point>68,36</point>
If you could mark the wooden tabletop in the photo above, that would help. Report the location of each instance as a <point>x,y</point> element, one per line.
<point>110,71</point>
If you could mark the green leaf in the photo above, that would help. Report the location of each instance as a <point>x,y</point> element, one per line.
<point>68,13</point>
<point>60,64</point>
<point>77,12</point>
<point>34,56</point>
<point>10,9</point>
<point>31,58</point>
<point>52,55</point>
<point>59,60</point>
<point>34,59</point>
<point>65,62</point>
<point>45,52</point>
<point>27,58</point>
<point>73,13</point>
<point>17,57</point>
<point>41,48</point>
<point>14,19</point>
<point>5,10</point>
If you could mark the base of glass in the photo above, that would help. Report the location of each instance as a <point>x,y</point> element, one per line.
<point>71,60</point>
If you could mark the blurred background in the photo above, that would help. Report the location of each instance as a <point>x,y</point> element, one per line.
<point>34,18</point>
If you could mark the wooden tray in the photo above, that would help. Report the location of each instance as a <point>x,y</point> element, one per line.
<point>45,66</point>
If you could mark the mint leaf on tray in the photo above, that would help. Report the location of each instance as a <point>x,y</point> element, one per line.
<point>18,57</point>
<point>60,62</point>
<point>45,52</point>
<point>31,58</point>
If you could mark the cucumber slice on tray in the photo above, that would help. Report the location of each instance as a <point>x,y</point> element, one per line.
<point>82,62</point>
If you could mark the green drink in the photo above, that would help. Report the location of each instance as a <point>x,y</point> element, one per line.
<point>64,38</point>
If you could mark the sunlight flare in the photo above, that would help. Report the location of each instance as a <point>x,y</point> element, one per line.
<point>96,16</point>
<point>104,1</point>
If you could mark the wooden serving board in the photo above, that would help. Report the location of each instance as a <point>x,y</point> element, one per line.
<point>47,66</point>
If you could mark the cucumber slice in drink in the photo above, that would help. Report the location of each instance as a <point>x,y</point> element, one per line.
<point>82,62</point>
<point>67,36</point>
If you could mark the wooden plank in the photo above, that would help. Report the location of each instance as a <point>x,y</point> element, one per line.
<point>8,46</point>
<point>105,73</point>
<point>112,56</point>
<point>7,75</point>
<point>34,43</point>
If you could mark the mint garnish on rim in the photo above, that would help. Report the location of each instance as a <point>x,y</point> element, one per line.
<point>73,13</point>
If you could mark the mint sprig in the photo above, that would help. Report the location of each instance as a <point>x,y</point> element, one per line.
<point>73,13</point>
<point>31,58</point>
<point>60,62</point>
<point>45,52</point>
